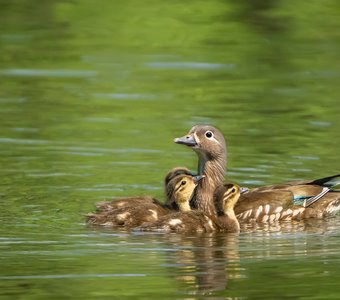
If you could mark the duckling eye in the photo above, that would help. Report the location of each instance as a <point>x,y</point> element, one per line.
<point>183,182</point>
<point>208,134</point>
<point>233,190</point>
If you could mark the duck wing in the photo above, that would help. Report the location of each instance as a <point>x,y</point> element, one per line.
<point>290,200</point>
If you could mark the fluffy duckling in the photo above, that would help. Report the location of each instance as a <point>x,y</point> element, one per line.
<point>225,198</point>
<point>108,206</point>
<point>180,187</point>
<point>292,200</point>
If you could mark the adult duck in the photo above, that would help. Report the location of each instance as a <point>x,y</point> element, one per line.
<point>135,212</point>
<point>224,219</point>
<point>291,200</point>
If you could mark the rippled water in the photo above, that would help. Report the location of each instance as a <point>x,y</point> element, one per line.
<point>91,97</point>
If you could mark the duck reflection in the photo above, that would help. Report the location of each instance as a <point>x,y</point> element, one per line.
<point>319,226</point>
<point>205,262</point>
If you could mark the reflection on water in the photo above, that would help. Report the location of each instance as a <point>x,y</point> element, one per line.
<point>202,263</point>
<point>206,264</point>
<point>91,97</point>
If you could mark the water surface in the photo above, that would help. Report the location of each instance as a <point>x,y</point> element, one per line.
<point>91,97</point>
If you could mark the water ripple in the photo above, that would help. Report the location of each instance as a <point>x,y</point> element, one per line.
<point>22,141</point>
<point>189,66</point>
<point>117,96</point>
<point>57,174</point>
<point>47,73</point>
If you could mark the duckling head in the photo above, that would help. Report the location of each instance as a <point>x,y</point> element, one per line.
<point>175,172</point>
<point>225,197</point>
<point>181,189</point>
<point>207,141</point>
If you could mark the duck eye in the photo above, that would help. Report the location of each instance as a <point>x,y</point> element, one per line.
<point>233,190</point>
<point>208,134</point>
<point>183,182</point>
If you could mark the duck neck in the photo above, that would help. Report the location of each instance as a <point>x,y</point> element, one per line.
<point>214,171</point>
<point>184,206</point>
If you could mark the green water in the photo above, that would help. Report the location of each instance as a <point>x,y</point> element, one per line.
<point>92,95</point>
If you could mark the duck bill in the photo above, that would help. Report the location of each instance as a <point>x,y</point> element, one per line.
<point>198,178</point>
<point>188,140</point>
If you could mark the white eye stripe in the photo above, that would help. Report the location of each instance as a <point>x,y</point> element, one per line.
<point>212,138</point>
<point>215,140</point>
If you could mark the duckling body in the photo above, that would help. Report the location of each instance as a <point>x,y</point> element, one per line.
<point>190,221</point>
<point>132,212</point>
<point>109,206</point>
<point>267,203</point>
<point>129,215</point>
<point>225,198</point>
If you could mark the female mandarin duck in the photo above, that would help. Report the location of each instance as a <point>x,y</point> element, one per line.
<point>224,219</point>
<point>291,200</point>
<point>132,212</point>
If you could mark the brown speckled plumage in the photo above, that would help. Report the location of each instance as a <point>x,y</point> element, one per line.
<point>134,211</point>
<point>224,200</point>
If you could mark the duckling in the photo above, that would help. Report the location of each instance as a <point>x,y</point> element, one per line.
<point>179,186</point>
<point>292,200</point>
<point>225,198</point>
<point>107,206</point>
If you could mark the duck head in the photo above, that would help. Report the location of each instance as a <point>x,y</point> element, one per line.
<point>208,142</point>
<point>205,140</point>
<point>181,189</point>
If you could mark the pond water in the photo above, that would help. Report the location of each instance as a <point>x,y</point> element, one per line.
<point>91,97</point>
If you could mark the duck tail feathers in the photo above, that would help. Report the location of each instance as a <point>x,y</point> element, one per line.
<point>329,182</point>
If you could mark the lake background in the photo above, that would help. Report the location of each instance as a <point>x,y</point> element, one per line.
<point>92,95</point>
